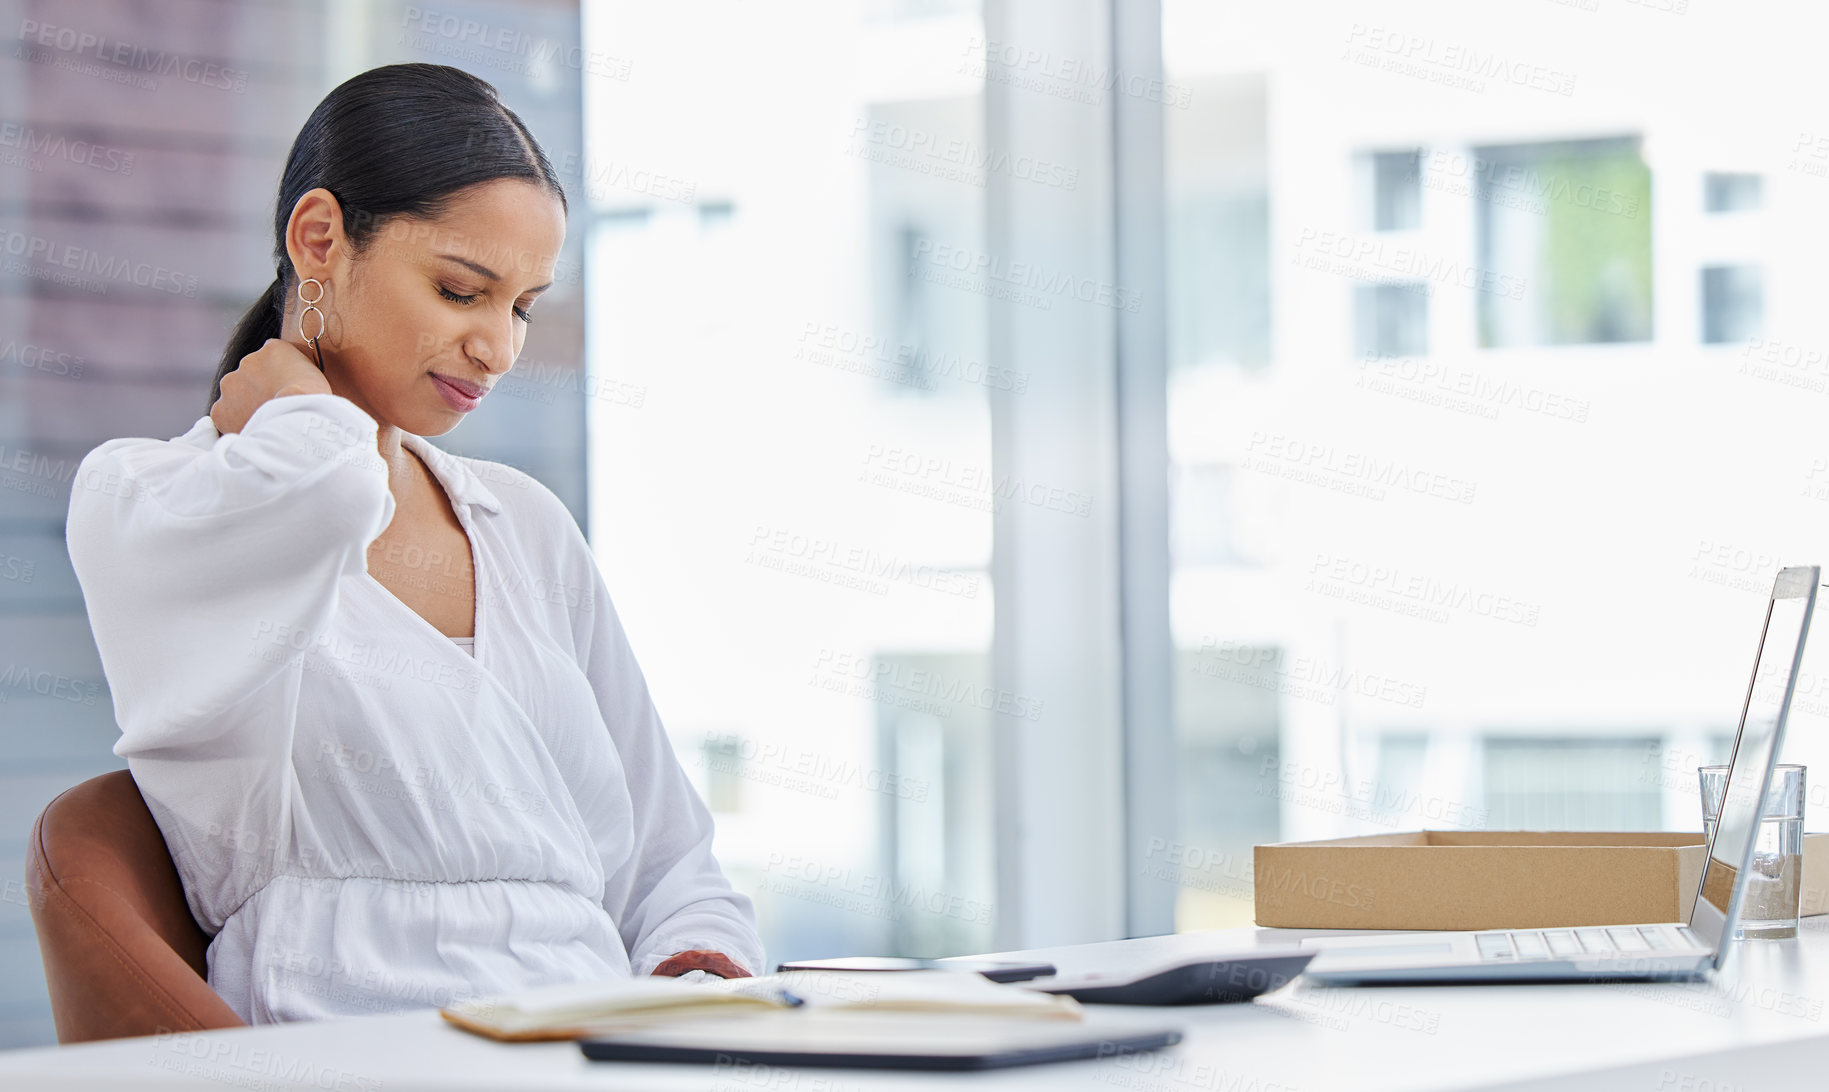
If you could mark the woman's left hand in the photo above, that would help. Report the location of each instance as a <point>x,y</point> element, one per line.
<point>699,959</point>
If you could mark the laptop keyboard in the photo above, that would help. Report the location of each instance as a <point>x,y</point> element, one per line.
<point>1563,943</point>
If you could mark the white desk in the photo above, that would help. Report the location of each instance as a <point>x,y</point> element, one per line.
<point>1764,1027</point>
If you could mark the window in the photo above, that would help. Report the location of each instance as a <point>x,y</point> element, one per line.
<point>1201,509</point>
<point>1396,191</point>
<point>725,769</point>
<point>1220,249</point>
<point>1444,551</point>
<point>1230,696</point>
<point>1452,555</point>
<point>1571,222</point>
<point>1570,784</point>
<point>1733,192</point>
<point>1392,319</point>
<point>794,517</point>
<point>1733,303</point>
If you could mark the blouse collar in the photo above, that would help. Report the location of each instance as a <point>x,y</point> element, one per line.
<point>460,480</point>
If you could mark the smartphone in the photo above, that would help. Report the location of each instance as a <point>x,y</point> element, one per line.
<point>991,969</point>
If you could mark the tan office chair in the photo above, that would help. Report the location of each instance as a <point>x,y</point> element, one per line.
<point>122,954</point>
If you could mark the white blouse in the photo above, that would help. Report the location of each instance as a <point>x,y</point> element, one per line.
<point>367,816</point>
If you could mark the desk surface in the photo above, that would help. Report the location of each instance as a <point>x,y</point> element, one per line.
<point>1762,1026</point>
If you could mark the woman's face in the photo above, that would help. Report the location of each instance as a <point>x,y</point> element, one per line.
<point>432,313</point>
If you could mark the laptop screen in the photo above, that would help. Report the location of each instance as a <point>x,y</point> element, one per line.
<point>1762,726</point>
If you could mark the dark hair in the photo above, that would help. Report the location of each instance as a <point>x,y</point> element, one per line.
<point>399,140</point>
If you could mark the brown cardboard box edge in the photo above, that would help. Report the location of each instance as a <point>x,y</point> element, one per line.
<point>1516,879</point>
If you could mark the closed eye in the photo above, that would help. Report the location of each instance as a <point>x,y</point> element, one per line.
<point>470,299</point>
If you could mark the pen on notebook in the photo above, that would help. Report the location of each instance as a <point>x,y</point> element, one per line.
<point>785,996</point>
<point>764,989</point>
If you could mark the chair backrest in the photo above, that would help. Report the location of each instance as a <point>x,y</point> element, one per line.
<point>122,954</point>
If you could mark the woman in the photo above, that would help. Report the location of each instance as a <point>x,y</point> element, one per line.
<point>375,694</point>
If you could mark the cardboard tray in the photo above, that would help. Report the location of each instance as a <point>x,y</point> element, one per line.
<point>1515,879</point>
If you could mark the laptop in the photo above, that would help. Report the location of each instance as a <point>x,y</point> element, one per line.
<point>1673,950</point>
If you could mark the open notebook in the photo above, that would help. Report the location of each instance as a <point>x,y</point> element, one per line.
<point>576,1010</point>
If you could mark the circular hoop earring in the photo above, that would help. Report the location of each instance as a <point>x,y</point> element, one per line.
<point>311,308</point>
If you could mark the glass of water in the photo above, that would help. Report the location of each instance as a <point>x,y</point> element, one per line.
<point>1769,909</point>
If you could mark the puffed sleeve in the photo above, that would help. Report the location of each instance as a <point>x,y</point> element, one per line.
<point>196,562</point>
<point>670,895</point>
